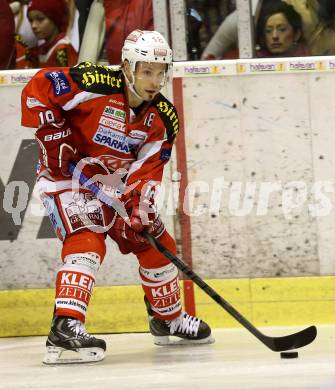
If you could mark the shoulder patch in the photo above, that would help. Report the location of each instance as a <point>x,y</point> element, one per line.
<point>165,154</point>
<point>59,82</point>
<point>169,116</point>
<point>96,78</point>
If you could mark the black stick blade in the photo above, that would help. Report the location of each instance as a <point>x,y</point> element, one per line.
<point>292,341</point>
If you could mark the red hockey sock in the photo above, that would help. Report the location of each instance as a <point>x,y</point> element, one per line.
<point>161,287</point>
<point>74,284</point>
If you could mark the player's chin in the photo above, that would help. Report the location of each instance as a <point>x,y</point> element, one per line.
<point>150,95</point>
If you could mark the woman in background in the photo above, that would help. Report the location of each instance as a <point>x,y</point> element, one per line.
<point>279,32</point>
<point>224,43</point>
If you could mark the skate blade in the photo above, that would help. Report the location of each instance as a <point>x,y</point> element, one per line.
<point>57,355</point>
<point>172,340</point>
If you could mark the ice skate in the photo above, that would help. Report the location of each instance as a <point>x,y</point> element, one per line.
<point>185,329</point>
<point>68,337</point>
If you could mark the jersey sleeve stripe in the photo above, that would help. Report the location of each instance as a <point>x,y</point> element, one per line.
<point>144,154</point>
<point>80,98</point>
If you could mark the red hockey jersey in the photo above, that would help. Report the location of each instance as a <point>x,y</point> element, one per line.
<point>91,101</point>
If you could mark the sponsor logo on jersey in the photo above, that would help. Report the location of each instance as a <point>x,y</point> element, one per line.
<point>115,113</point>
<point>118,103</point>
<point>96,78</point>
<point>112,124</point>
<point>169,111</point>
<point>84,211</point>
<point>60,83</point>
<point>138,134</point>
<point>165,154</point>
<point>33,102</point>
<point>112,139</point>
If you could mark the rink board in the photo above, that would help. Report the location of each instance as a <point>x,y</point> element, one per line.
<point>119,309</point>
<point>246,123</point>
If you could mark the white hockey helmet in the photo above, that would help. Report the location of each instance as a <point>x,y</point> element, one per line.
<point>147,46</point>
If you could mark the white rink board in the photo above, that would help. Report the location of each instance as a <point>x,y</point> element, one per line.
<point>269,128</point>
<point>260,123</point>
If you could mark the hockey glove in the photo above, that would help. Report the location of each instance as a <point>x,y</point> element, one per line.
<point>142,216</point>
<point>56,150</point>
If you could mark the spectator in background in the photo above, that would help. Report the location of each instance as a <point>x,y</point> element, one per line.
<point>122,17</point>
<point>279,32</point>
<point>322,38</point>
<point>22,25</point>
<point>49,21</point>
<point>7,33</point>
<point>224,43</point>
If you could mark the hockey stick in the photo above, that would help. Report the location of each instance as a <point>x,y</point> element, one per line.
<point>277,344</point>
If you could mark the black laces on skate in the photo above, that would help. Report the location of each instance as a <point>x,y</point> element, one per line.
<point>78,328</point>
<point>185,324</point>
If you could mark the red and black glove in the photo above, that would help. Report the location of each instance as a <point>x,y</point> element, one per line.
<point>142,216</point>
<point>56,149</point>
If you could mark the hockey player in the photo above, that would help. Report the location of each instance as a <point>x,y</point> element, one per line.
<point>119,119</point>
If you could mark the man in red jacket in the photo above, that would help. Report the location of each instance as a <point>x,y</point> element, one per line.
<point>120,123</point>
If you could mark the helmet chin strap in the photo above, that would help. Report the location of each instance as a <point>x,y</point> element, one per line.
<point>131,85</point>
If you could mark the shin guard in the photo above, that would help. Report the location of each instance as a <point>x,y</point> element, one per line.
<point>161,287</point>
<point>74,284</point>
